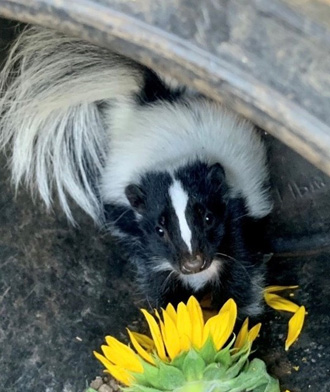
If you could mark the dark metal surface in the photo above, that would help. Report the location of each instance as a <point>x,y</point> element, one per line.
<point>300,220</point>
<point>301,216</point>
<point>269,61</point>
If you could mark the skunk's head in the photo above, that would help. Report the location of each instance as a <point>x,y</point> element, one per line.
<point>183,218</point>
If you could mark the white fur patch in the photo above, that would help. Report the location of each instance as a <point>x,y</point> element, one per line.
<point>179,199</point>
<point>199,280</point>
<point>163,265</point>
<point>194,281</point>
<point>167,136</point>
<point>51,120</point>
<point>50,116</point>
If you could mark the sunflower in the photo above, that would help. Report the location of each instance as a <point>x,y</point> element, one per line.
<point>187,354</point>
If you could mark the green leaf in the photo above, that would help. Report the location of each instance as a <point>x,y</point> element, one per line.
<point>163,376</point>
<point>234,370</point>
<point>214,371</point>
<point>141,388</point>
<point>224,356</point>
<point>170,377</point>
<point>178,361</point>
<point>208,351</point>
<point>254,378</point>
<point>196,386</point>
<point>150,372</point>
<point>90,390</point>
<point>235,355</point>
<point>193,366</point>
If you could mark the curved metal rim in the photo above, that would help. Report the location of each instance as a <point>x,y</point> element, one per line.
<point>191,65</point>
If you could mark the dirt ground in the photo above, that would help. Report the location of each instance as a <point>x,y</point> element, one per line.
<point>62,289</point>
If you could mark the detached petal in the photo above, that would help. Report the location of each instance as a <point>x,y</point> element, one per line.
<point>196,316</point>
<point>274,289</point>
<point>119,373</point>
<point>295,326</point>
<point>139,349</point>
<point>280,303</point>
<point>242,336</point>
<point>156,335</point>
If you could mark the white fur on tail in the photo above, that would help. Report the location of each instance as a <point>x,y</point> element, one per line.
<point>51,86</point>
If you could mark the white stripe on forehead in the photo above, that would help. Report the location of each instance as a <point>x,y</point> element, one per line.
<point>179,200</point>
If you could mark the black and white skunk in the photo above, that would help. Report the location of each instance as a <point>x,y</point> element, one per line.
<point>180,180</point>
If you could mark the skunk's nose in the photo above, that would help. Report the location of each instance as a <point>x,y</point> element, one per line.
<point>192,265</point>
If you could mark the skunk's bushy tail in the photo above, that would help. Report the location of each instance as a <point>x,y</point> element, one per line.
<point>52,88</point>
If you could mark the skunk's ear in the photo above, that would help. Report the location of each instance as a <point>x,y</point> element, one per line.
<point>137,198</point>
<point>216,174</point>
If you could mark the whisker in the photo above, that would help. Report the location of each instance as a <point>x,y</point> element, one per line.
<point>167,279</point>
<point>240,217</point>
<point>243,267</point>
<point>225,255</point>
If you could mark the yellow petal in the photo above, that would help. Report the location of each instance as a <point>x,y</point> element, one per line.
<point>280,303</point>
<point>171,312</point>
<point>139,349</point>
<point>221,337</point>
<point>242,335</point>
<point>105,362</point>
<point>121,355</point>
<point>144,341</point>
<point>185,343</point>
<point>295,326</point>
<point>156,335</point>
<point>254,332</point>
<point>117,372</point>
<point>183,325</point>
<point>208,313</point>
<point>273,289</point>
<point>171,336</point>
<point>220,327</point>
<point>196,316</point>
<point>231,307</point>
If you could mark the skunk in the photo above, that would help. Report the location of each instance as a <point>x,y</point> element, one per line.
<point>178,179</point>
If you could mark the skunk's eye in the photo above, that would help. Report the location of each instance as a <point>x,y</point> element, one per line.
<point>160,231</point>
<point>199,209</point>
<point>209,219</point>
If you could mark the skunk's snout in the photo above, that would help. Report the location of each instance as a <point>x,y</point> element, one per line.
<point>193,264</point>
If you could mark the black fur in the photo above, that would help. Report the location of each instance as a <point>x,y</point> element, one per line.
<point>155,89</point>
<point>153,236</point>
